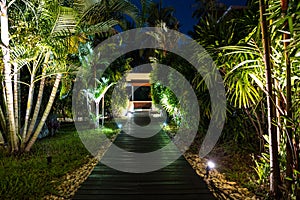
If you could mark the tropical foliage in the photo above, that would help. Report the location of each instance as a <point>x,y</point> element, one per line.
<point>256,50</point>
<point>43,45</point>
<point>241,57</point>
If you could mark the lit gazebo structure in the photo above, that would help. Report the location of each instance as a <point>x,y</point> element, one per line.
<point>134,81</point>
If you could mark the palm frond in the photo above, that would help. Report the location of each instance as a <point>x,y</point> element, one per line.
<point>66,20</point>
<point>113,9</point>
<point>100,27</point>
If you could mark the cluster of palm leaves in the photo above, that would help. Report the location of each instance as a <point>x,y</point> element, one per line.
<point>45,38</point>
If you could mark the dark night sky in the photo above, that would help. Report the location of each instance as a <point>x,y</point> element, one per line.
<point>184,10</point>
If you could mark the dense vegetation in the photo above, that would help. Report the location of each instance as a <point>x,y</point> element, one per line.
<point>256,52</point>
<point>255,48</point>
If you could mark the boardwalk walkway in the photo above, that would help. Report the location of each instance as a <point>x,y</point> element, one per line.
<point>177,181</point>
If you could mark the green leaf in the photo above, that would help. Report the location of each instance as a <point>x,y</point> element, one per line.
<point>291,26</point>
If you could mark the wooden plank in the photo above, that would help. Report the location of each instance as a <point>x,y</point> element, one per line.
<point>146,197</point>
<point>175,181</point>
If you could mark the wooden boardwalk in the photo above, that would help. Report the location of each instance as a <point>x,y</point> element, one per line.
<point>177,181</point>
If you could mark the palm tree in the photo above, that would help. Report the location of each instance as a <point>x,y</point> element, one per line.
<point>289,147</point>
<point>7,73</point>
<point>113,9</point>
<point>274,163</point>
<point>159,15</point>
<point>57,34</point>
<point>242,62</point>
<point>213,8</point>
<point>91,22</point>
<point>96,95</point>
<point>250,60</point>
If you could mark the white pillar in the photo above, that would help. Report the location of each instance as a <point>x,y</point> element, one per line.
<point>132,92</point>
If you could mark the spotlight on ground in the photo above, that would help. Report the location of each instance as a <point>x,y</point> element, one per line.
<point>210,165</point>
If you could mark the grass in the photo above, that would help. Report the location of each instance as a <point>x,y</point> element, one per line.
<point>29,176</point>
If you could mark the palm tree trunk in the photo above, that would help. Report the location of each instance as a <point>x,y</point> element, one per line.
<point>2,119</point>
<point>46,113</point>
<point>16,98</point>
<point>2,125</point>
<point>274,164</point>
<point>7,77</point>
<point>30,99</point>
<point>289,144</point>
<point>88,106</point>
<point>3,115</point>
<point>97,115</point>
<point>37,107</point>
<point>278,115</point>
<point>1,138</point>
<point>39,99</point>
<point>28,108</point>
<point>103,111</point>
<point>261,133</point>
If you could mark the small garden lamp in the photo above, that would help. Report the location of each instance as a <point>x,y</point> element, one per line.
<point>120,126</point>
<point>210,165</point>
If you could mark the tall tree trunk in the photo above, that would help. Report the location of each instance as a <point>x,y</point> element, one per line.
<point>97,115</point>
<point>2,126</point>
<point>88,105</point>
<point>274,164</point>
<point>289,144</point>
<point>101,97</point>
<point>16,98</point>
<point>1,138</point>
<point>261,133</point>
<point>103,111</point>
<point>4,116</point>
<point>278,114</point>
<point>46,113</point>
<point>2,119</point>
<point>297,166</point>
<point>28,108</point>
<point>30,99</point>
<point>39,99</point>
<point>7,77</point>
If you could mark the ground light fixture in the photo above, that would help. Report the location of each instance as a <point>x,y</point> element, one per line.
<point>129,114</point>
<point>209,166</point>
